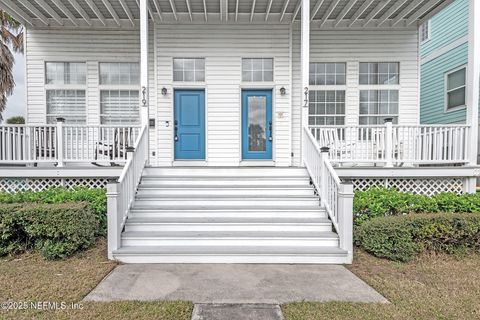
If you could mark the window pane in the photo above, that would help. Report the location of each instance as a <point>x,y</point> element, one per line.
<point>456,79</point>
<point>257,69</point>
<point>199,76</point>
<point>327,73</point>
<point>177,76</point>
<point>327,107</point>
<point>68,104</point>
<point>188,76</point>
<point>456,98</point>
<point>372,73</point>
<point>65,73</point>
<point>177,64</point>
<point>119,107</point>
<point>340,80</point>
<point>330,80</point>
<point>379,104</point>
<point>257,76</point>
<point>257,64</point>
<point>424,31</point>
<point>247,64</point>
<point>189,69</point>
<point>119,73</point>
<point>268,76</point>
<point>257,123</point>
<point>268,64</point>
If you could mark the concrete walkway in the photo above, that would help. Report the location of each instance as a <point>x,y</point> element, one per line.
<point>233,284</point>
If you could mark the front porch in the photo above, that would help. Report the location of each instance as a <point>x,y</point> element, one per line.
<point>226,84</point>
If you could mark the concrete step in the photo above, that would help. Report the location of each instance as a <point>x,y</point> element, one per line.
<point>227,224</point>
<point>181,211</point>
<point>230,238</point>
<point>225,191</point>
<point>226,171</point>
<point>231,254</point>
<point>206,202</point>
<point>204,181</point>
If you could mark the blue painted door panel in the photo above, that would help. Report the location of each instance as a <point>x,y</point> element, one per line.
<point>189,124</point>
<point>257,126</point>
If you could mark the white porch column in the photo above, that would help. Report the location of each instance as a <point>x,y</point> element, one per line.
<point>144,90</point>
<point>144,62</point>
<point>473,77</point>
<point>305,65</point>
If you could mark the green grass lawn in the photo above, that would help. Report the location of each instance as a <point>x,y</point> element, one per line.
<point>430,287</point>
<point>28,277</point>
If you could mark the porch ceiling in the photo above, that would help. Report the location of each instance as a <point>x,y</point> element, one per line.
<point>126,13</point>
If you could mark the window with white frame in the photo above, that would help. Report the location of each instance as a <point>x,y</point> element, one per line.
<point>327,94</point>
<point>65,84</point>
<point>379,73</point>
<point>425,31</point>
<point>119,93</point>
<point>189,69</point>
<point>322,74</point>
<point>327,108</point>
<point>456,88</point>
<point>257,69</point>
<point>377,105</point>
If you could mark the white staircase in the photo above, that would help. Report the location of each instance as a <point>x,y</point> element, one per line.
<point>228,215</point>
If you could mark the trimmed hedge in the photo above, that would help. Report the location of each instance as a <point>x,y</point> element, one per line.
<point>96,198</point>
<point>55,230</point>
<point>401,238</point>
<point>381,202</point>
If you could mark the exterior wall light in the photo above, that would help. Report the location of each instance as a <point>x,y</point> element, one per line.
<point>164,91</point>
<point>283,91</point>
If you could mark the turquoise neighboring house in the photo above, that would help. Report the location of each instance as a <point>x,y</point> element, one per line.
<point>443,58</point>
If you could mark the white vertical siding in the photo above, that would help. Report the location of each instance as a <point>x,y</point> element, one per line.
<point>353,47</point>
<point>223,47</point>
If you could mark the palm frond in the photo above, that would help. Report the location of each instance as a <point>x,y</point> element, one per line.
<point>11,35</point>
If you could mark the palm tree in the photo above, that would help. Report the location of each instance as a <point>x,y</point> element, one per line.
<point>11,36</point>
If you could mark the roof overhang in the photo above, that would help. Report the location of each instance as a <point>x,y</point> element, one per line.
<point>126,13</point>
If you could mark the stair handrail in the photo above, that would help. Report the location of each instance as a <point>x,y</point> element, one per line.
<point>121,192</point>
<point>336,196</point>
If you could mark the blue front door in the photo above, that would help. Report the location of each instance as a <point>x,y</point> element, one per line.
<point>189,125</point>
<point>257,127</point>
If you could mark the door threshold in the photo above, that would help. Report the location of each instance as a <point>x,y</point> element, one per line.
<point>189,163</point>
<point>257,163</point>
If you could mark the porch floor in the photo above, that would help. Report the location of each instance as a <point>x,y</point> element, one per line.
<point>234,283</point>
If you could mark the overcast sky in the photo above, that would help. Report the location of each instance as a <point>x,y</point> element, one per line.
<point>16,102</point>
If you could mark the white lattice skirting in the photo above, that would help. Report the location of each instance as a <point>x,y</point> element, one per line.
<point>425,186</point>
<point>12,185</point>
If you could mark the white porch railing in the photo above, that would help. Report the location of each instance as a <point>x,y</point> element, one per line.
<point>121,193</point>
<point>395,144</point>
<point>61,143</point>
<point>335,196</point>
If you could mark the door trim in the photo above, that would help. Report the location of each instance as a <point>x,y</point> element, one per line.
<point>190,87</point>
<point>265,162</point>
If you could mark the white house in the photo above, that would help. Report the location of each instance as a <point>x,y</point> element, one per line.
<point>210,115</point>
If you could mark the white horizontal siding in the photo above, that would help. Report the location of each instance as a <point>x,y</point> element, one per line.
<point>353,47</point>
<point>223,47</point>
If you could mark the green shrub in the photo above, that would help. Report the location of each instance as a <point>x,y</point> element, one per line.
<point>401,238</point>
<point>16,120</point>
<point>96,198</point>
<point>55,230</point>
<point>381,202</point>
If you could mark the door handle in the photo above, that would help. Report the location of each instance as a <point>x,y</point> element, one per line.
<point>270,138</point>
<point>176,130</point>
